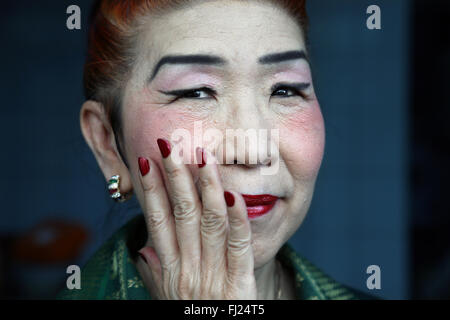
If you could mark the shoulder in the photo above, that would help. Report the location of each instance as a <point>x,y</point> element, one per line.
<point>312,283</point>
<point>101,276</point>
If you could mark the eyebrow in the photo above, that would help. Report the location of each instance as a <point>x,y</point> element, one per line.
<point>206,59</point>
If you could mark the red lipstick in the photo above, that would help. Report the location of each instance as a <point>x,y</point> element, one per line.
<point>259,204</point>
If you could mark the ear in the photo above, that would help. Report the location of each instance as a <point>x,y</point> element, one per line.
<point>99,135</point>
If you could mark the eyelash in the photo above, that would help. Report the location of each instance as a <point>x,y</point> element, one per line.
<point>184,93</point>
<point>297,88</point>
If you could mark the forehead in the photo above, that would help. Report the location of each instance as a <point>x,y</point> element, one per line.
<point>239,30</point>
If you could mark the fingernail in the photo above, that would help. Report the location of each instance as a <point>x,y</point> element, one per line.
<point>229,198</point>
<point>143,257</point>
<point>201,155</point>
<point>144,166</point>
<point>164,147</point>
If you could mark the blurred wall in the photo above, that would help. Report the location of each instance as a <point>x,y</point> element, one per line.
<point>358,216</point>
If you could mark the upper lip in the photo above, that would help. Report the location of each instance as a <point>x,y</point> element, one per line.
<point>259,199</point>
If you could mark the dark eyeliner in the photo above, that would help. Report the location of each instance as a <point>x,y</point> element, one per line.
<point>299,87</point>
<point>184,92</point>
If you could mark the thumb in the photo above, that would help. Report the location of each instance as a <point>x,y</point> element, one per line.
<point>150,258</point>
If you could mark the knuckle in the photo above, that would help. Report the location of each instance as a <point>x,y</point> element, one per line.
<point>169,268</point>
<point>156,220</point>
<point>206,181</point>
<point>184,208</point>
<point>237,222</point>
<point>149,188</point>
<point>174,172</point>
<point>212,220</point>
<point>239,247</point>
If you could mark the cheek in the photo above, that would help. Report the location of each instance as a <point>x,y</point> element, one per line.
<point>149,125</point>
<point>302,141</point>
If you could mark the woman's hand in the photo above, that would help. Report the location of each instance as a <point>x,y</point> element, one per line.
<point>202,248</point>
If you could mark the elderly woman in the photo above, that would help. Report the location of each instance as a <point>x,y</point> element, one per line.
<point>166,82</point>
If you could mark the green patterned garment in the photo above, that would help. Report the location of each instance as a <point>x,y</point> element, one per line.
<point>111,273</point>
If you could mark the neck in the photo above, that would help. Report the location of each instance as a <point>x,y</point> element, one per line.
<point>266,281</point>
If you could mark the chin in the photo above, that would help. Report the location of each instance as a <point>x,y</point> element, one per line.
<point>267,243</point>
<point>264,250</point>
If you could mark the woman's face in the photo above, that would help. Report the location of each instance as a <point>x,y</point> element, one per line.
<point>243,97</point>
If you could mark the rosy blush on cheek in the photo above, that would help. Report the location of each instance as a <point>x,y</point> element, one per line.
<point>302,141</point>
<point>150,126</point>
<point>142,136</point>
<point>153,122</point>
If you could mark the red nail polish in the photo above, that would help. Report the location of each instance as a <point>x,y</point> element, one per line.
<point>143,257</point>
<point>201,155</point>
<point>164,147</point>
<point>144,166</point>
<point>229,198</point>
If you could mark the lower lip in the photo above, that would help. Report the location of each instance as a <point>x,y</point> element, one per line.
<point>259,205</point>
<point>257,211</point>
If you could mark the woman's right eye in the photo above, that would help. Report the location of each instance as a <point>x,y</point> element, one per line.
<point>199,93</point>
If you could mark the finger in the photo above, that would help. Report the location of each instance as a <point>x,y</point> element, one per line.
<point>159,220</point>
<point>213,226</point>
<point>239,247</point>
<point>186,208</point>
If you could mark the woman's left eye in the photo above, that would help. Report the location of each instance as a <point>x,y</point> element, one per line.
<point>284,92</point>
<point>287,91</point>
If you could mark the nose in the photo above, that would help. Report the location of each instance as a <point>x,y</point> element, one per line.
<point>249,141</point>
<point>251,147</point>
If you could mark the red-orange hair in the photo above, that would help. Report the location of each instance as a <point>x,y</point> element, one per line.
<point>112,33</point>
